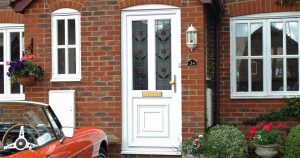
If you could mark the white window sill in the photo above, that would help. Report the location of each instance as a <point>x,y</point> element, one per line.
<point>73,79</point>
<point>12,97</point>
<point>278,96</point>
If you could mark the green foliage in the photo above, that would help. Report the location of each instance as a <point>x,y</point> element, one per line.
<point>226,142</point>
<point>263,138</point>
<point>290,110</point>
<point>292,146</point>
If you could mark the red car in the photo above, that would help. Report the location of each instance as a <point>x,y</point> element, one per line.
<point>32,130</point>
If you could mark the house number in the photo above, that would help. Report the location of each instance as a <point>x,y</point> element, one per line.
<point>192,62</point>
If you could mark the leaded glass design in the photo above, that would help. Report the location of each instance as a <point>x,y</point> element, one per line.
<point>139,55</point>
<point>163,54</point>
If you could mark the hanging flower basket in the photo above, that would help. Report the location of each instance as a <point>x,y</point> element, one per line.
<point>26,80</point>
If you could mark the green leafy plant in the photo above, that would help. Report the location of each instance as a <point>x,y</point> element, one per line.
<point>226,142</point>
<point>266,134</point>
<point>24,68</point>
<point>292,144</point>
<point>290,110</point>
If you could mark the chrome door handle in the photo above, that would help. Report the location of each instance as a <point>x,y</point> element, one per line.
<point>173,82</point>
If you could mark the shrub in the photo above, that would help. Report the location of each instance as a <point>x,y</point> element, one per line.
<point>292,144</point>
<point>226,141</point>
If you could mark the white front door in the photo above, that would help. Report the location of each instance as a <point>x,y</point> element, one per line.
<point>151,104</point>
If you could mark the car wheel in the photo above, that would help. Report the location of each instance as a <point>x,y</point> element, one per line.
<point>102,153</point>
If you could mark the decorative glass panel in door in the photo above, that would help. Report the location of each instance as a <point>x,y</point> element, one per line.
<point>163,54</point>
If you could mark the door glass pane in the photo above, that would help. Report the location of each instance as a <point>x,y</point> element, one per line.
<point>242,75</point>
<point>140,55</point>
<point>61,61</point>
<point>257,76</point>
<point>241,39</point>
<point>256,39</point>
<point>72,61</point>
<point>277,75</point>
<point>61,32</point>
<point>276,38</point>
<point>15,46</point>
<point>292,75</point>
<point>292,37</point>
<point>1,79</point>
<point>71,33</point>
<point>163,54</point>
<point>1,47</point>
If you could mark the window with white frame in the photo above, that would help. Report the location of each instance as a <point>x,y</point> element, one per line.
<point>66,54</point>
<point>11,46</point>
<point>265,59</point>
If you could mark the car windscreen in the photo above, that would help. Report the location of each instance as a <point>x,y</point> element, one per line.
<point>24,126</point>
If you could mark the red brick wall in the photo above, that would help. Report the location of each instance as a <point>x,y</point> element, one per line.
<point>98,94</point>
<point>238,110</point>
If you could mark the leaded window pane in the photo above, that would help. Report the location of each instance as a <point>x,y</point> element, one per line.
<point>140,55</point>
<point>163,54</point>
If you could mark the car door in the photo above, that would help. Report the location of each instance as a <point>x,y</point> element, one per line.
<point>60,150</point>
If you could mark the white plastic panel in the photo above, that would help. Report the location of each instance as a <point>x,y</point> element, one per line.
<point>63,104</point>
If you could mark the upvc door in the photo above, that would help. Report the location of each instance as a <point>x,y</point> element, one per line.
<point>151,81</point>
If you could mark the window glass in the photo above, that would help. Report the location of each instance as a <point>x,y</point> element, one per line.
<point>140,55</point>
<point>61,32</point>
<point>72,61</point>
<point>242,75</point>
<point>276,38</point>
<point>257,76</point>
<point>71,33</point>
<point>15,55</point>
<point>163,54</point>
<point>241,39</point>
<point>256,39</point>
<point>1,48</point>
<point>292,36</point>
<point>61,61</point>
<point>1,79</point>
<point>292,75</point>
<point>277,75</point>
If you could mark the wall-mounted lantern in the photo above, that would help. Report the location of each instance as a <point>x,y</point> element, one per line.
<point>191,37</point>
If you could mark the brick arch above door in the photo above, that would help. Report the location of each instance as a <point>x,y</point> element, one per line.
<point>258,6</point>
<point>129,3</point>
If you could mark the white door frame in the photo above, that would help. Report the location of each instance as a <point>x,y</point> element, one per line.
<point>149,10</point>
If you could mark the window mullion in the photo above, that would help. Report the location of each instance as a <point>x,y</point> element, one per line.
<point>249,59</point>
<point>284,57</point>
<point>298,53</point>
<point>66,47</point>
<point>267,57</point>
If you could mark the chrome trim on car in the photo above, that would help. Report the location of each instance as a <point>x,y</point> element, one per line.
<point>24,102</point>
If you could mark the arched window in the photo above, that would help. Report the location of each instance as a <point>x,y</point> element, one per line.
<point>66,54</point>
